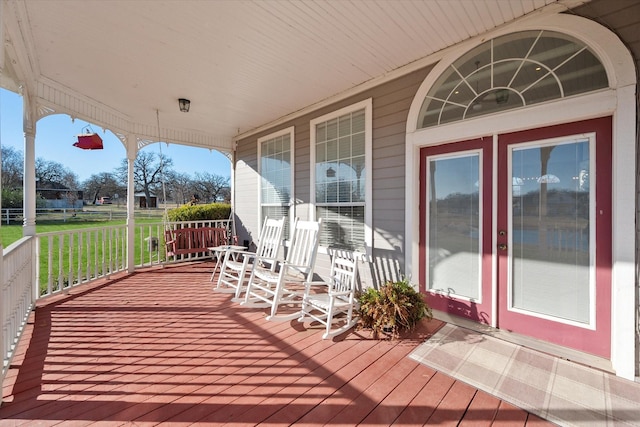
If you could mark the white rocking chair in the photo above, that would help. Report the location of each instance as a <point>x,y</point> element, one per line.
<point>333,301</point>
<point>276,287</point>
<point>237,263</point>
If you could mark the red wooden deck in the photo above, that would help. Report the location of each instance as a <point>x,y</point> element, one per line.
<point>159,347</point>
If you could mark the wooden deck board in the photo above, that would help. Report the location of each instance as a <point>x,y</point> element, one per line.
<point>159,347</point>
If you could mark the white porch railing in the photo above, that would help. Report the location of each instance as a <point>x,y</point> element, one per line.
<point>16,296</point>
<point>51,263</point>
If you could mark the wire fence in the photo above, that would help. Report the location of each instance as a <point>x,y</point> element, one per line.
<point>10,216</point>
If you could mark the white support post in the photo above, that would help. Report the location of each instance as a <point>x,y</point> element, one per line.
<point>131,225</point>
<point>2,314</point>
<point>29,185</point>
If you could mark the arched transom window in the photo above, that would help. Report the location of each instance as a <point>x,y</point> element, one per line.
<point>512,71</point>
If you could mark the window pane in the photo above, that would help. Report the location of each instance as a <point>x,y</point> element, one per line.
<point>344,148</point>
<point>344,191</point>
<point>550,232</point>
<point>452,113</point>
<point>515,45</point>
<point>344,125</point>
<point>321,132</point>
<point>553,51</point>
<point>342,227</point>
<point>430,113</point>
<point>535,66</point>
<point>583,72</point>
<point>278,212</point>
<point>543,90</point>
<point>332,129</point>
<point>357,144</point>
<point>503,72</point>
<point>357,165</point>
<point>357,122</point>
<point>454,226</point>
<point>340,181</point>
<point>275,171</point>
<point>527,75</point>
<point>321,153</point>
<point>332,150</point>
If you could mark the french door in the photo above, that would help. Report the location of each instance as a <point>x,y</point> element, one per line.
<point>456,211</point>
<point>550,243</point>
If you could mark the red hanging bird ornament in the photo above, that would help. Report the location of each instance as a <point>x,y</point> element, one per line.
<point>89,140</point>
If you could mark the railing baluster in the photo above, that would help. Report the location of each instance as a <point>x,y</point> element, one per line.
<point>49,265</point>
<point>16,294</point>
<point>60,262</point>
<point>80,250</point>
<point>97,272</point>
<point>70,272</point>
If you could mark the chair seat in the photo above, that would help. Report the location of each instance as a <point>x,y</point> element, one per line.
<point>234,265</point>
<point>291,275</point>
<point>323,301</point>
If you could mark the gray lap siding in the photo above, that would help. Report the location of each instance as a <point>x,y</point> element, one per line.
<point>391,102</point>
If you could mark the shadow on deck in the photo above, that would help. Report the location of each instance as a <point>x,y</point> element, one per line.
<point>159,347</point>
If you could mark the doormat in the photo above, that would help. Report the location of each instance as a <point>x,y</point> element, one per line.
<point>555,389</point>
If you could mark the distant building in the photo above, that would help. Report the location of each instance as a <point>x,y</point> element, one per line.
<point>57,195</point>
<point>140,200</point>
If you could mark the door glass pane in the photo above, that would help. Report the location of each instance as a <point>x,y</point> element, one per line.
<point>550,229</point>
<point>454,231</point>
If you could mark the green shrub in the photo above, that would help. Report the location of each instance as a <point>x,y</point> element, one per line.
<point>212,211</point>
<point>393,308</point>
<point>12,199</point>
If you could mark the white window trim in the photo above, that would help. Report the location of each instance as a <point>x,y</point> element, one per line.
<point>367,105</point>
<point>292,208</point>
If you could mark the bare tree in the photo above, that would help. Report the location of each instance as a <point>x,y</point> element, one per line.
<point>49,171</point>
<point>181,187</point>
<point>12,166</point>
<point>103,183</point>
<point>212,187</point>
<point>148,171</point>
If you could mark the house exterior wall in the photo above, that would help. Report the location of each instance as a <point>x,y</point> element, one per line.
<point>245,189</point>
<point>391,102</point>
<point>623,18</point>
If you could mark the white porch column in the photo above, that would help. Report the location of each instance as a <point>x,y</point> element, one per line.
<point>2,348</point>
<point>29,182</point>
<point>131,229</point>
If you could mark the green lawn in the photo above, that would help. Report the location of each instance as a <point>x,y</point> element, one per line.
<point>13,232</point>
<point>81,257</point>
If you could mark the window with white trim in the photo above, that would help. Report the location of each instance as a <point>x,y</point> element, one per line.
<point>512,71</point>
<point>340,156</point>
<point>275,152</point>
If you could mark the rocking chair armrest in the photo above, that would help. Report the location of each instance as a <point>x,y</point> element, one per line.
<point>285,264</point>
<point>343,293</point>
<point>315,283</point>
<point>318,283</point>
<point>243,253</point>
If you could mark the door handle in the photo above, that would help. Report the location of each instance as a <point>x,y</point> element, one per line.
<point>502,247</point>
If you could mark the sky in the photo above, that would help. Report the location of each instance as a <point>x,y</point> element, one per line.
<point>56,134</point>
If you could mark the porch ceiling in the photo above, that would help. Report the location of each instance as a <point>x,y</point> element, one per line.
<point>242,64</point>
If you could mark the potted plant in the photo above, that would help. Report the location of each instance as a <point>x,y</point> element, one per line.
<point>393,308</point>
